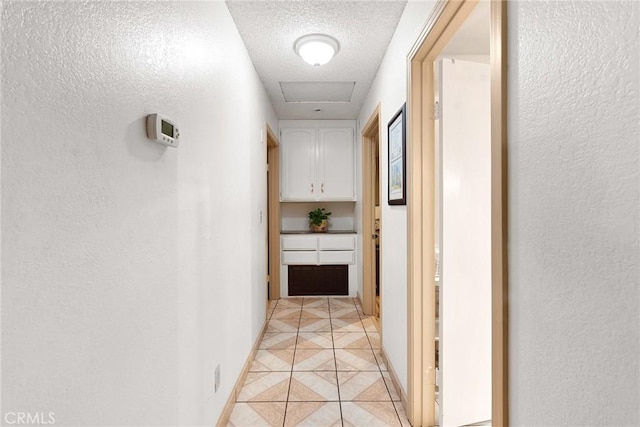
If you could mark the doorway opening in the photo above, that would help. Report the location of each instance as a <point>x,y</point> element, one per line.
<point>446,20</point>
<point>371,217</point>
<point>273,216</point>
<point>463,224</point>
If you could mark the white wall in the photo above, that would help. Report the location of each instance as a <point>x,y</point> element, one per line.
<point>124,263</point>
<point>390,88</point>
<point>573,213</point>
<point>294,215</point>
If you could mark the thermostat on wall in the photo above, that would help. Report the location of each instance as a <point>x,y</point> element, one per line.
<point>161,129</point>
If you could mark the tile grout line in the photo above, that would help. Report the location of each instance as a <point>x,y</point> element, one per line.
<point>341,415</point>
<point>286,402</point>
<point>334,355</point>
<point>390,397</point>
<point>380,370</point>
<point>382,375</point>
<point>272,310</point>
<point>284,415</point>
<point>335,363</point>
<point>331,330</point>
<point>335,358</point>
<point>295,348</point>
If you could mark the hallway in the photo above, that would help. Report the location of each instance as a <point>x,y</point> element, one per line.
<point>318,364</point>
<point>134,274</point>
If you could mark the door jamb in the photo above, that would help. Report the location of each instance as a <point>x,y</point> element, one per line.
<point>273,160</point>
<point>369,130</point>
<point>445,20</point>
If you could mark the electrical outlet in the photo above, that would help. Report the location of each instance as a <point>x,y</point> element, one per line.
<point>217,379</point>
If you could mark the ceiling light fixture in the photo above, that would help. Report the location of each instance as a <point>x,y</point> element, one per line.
<point>316,49</point>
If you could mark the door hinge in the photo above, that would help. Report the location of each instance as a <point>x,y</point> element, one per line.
<point>267,167</point>
<point>436,111</point>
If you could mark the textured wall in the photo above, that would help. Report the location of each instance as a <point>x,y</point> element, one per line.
<point>573,206</point>
<point>124,263</point>
<point>390,88</point>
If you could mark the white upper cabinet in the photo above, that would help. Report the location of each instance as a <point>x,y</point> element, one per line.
<point>336,159</point>
<point>318,164</point>
<point>299,167</point>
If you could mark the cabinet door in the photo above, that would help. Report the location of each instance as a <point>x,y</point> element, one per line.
<point>318,280</point>
<point>336,243</point>
<point>336,164</point>
<point>298,166</point>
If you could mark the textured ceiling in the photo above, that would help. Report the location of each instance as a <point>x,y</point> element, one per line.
<point>270,28</point>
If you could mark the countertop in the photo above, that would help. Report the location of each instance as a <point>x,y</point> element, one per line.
<point>310,232</point>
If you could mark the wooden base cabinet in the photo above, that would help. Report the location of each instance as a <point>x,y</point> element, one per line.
<point>306,280</point>
<point>315,264</point>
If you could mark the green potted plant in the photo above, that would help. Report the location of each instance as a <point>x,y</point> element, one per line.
<point>318,220</point>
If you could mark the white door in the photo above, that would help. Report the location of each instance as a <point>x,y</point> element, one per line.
<point>336,164</point>
<point>465,281</point>
<point>299,172</point>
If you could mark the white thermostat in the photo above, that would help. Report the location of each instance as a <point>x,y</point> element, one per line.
<point>161,129</point>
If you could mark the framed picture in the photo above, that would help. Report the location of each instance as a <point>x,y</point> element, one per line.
<point>397,139</point>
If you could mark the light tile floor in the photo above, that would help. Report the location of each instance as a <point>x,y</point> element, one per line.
<point>318,364</point>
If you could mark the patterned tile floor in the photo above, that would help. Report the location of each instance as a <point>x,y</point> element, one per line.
<point>318,364</point>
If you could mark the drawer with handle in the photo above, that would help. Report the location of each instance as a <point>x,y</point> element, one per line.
<point>337,243</point>
<point>336,257</point>
<point>299,243</point>
<point>300,257</point>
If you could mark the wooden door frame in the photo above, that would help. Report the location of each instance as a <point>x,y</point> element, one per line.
<point>369,131</point>
<point>273,160</point>
<point>445,20</point>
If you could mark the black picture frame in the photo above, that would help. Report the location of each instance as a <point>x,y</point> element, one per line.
<point>397,158</point>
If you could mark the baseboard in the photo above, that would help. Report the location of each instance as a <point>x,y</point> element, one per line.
<point>228,407</point>
<point>394,377</point>
<point>376,323</point>
<point>359,299</point>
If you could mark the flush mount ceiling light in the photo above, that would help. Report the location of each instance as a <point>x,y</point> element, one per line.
<point>316,49</point>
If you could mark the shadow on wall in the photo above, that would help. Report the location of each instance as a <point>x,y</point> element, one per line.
<point>139,145</point>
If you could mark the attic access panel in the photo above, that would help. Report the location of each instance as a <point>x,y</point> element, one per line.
<point>314,92</point>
